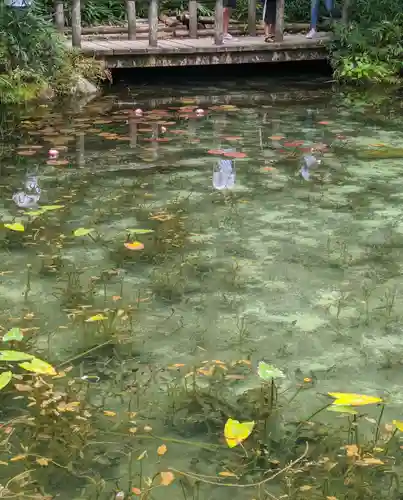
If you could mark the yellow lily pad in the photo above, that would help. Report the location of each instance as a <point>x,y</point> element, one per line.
<point>351,399</point>
<point>236,432</point>
<point>15,227</point>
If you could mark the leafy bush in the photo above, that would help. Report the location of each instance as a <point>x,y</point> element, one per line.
<point>34,56</point>
<point>368,52</point>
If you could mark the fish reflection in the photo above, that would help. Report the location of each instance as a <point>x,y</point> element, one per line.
<point>31,194</point>
<point>224,175</point>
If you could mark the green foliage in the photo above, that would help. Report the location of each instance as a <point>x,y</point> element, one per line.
<point>368,52</point>
<point>34,57</point>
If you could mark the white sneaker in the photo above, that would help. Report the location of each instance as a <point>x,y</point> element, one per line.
<point>311,33</point>
<point>227,36</point>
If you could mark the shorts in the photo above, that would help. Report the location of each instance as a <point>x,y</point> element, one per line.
<point>270,14</point>
<point>230,4</point>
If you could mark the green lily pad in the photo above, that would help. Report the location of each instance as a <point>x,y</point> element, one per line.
<point>15,356</point>
<point>82,231</point>
<point>268,372</point>
<point>48,208</point>
<point>140,231</point>
<point>342,409</point>
<point>36,365</point>
<point>15,227</point>
<point>5,378</point>
<point>13,334</point>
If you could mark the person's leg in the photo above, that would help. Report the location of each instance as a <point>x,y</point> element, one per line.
<point>314,18</point>
<point>270,20</point>
<point>226,18</point>
<point>229,5</point>
<point>329,6</point>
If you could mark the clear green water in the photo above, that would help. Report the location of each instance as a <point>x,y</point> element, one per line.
<point>305,274</point>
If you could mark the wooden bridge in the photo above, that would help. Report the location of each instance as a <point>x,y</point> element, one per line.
<point>163,47</point>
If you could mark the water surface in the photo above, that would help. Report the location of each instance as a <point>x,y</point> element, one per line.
<point>302,270</point>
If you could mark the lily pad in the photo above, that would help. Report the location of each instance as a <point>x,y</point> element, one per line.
<point>14,356</point>
<point>134,245</point>
<point>36,365</point>
<point>48,208</point>
<point>5,378</point>
<point>140,231</point>
<point>82,231</point>
<point>97,317</point>
<point>14,334</point>
<point>268,372</point>
<point>15,227</point>
<point>342,409</point>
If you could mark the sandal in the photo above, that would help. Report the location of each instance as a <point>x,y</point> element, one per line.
<point>269,39</point>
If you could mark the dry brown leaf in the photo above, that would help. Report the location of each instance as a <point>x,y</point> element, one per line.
<point>227,474</point>
<point>42,461</point>
<point>161,450</point>
<point>351,450</point>
<point>23,388</point>
<point>166,478</point>
<point>68,406</point>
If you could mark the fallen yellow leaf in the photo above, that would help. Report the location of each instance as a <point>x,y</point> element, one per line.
<point>227,474</point>
<point>369,461</point>
<point>306,487</point>
<point>18,457</point>
<point>166,478</point>
<point>351,450</point>
<point>110,413</point>
<point>161,450</point>
<point>42,461</point>
<point>133,430</point>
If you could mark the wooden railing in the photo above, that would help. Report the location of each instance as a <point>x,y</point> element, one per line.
<point>153,20</point>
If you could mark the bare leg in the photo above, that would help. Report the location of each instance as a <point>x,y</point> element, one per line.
<point>226,18</point>
<point>268,32</point>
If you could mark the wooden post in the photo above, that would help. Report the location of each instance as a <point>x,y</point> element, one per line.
<point>279,33</point>
<point>59,15</point>
<point>193,18</point>
<point>219,27</point>
<point>153,23</point>
<point>131,18</point>
<point>76,23</point>
<point>252,17</point>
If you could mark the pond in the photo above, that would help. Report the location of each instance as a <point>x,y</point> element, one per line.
<point>165,252</point>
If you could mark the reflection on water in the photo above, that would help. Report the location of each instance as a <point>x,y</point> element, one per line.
<point>30,197</point>
<point>224,175</point>
<point>305,275</point>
